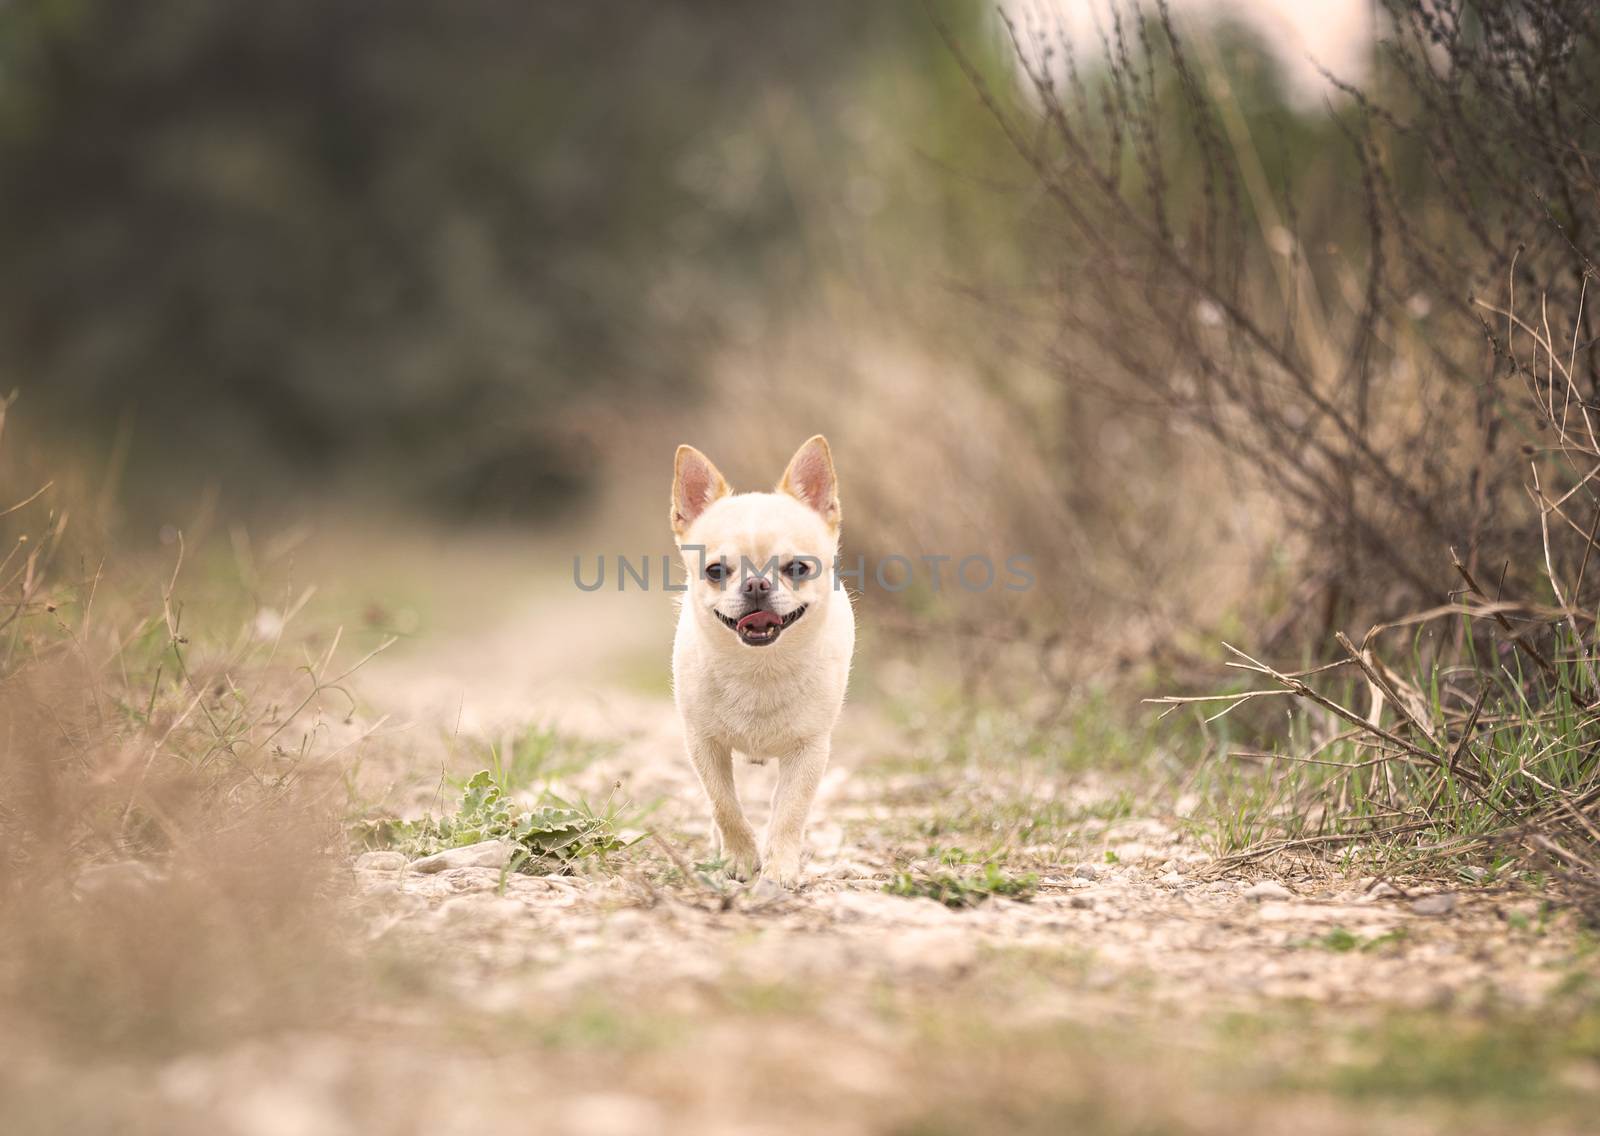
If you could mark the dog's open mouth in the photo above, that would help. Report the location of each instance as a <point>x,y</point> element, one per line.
<point>759,628</point>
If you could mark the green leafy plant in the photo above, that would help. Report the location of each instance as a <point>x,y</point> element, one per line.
<point>962,890</point>
<point>556,835</point>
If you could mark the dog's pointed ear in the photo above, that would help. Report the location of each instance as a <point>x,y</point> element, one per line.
<point>811,480</point>
<point>696,483</point>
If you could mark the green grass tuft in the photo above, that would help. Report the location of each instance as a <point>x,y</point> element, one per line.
<point>962,890</point>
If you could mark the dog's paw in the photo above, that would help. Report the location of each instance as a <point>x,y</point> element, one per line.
<point>738,854</point>
<point>743,866</point>
<point>782,868</point>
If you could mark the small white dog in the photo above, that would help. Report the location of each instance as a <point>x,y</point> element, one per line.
<point>762,653</point>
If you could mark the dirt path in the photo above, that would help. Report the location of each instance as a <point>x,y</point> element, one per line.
<point>1137,990</point>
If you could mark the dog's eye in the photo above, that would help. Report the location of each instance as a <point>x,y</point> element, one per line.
<point>717,572</point>
<point>797,570</point>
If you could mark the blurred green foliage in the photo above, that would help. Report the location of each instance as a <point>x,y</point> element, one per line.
<point>433,244</point>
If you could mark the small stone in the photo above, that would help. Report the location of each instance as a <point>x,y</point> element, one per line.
<point>381,862</point>
<point>1440,903</point>
<point>1383,889</point>
<point>1475,873</point>
<point>1087,872</point>
<point>765,891</point>
<point>1083,902</point>
<point>484,854</point>
<point>1266,889</point>
<point>479,909</point>
<point>472,879</point>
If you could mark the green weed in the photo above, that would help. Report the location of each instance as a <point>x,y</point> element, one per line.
<point>967,890</point>
<point>555,836</point>
<point>1342,941</point>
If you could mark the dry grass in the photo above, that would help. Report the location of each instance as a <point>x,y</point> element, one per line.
<point>171,846</point>
<point>1299,290</point>
<point>1471,730</point>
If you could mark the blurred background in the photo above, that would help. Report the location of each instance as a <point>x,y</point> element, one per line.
<point>461,258</point>
<point>485,265</point>
<point>1180,305</point>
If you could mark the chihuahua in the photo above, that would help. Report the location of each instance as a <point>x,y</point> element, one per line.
<point>762,652</point>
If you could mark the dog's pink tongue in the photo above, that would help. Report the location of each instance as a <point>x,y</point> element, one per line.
<point>759,621</point>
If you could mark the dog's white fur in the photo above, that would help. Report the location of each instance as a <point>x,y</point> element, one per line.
<point>776,701</point>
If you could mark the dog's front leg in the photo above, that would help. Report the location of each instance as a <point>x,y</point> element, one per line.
<point>799,774</point>
<point>735,839</point>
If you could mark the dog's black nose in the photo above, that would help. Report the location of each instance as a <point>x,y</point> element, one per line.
<point>756,586</point>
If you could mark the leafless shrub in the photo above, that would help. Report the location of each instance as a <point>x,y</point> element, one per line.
<point>1333,337</point>
<point>1324,333</point>
<point>1485,742</point>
